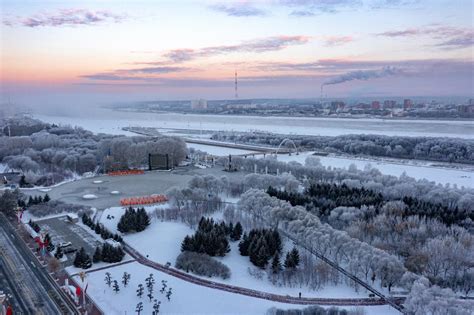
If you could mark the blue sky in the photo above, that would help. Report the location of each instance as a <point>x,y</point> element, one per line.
<point>56,50</point>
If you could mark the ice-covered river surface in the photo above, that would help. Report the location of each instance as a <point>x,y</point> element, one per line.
<point>108,121</point>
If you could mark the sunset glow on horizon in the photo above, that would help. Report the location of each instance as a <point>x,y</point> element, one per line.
<point>280,48</point>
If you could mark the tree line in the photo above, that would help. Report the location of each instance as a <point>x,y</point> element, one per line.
<point>47,154</point>
<point>424,148</point>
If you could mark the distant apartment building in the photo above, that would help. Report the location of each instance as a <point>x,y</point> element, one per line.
<point>240,105</point>
<point>389,104</point>
<point>376,105</point>
<point>471,101</point>
<point>199,104</point>
<point>466,109</point>
<point>407,104</point>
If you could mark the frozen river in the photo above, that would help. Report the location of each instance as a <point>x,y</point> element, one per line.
<point>112,122</point>
<point>109,121</point>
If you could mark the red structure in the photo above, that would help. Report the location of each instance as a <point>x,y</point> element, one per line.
<point>144,200</point>
<point>126,172</point>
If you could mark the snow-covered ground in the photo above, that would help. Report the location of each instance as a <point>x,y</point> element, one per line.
<point>436,174</point>
<point>161,242</point>
<point>109,121</point>
<point>219,151</point>
<point>186,298</point>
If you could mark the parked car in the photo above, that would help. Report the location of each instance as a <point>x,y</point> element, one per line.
<point>64,244</point>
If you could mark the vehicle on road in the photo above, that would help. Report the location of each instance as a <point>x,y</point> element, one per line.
<point>64,244</point>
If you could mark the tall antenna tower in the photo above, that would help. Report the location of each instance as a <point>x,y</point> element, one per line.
<point>236,93</point>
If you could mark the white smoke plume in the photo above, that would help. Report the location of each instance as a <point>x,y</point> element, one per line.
<point>363,75</point>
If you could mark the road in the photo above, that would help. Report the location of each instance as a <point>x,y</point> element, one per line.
<point>249,292</point>
<point>38,293</point>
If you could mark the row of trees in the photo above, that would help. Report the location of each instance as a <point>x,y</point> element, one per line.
<point>54,153</point>
<point>321,198</point>
<point>210,238</point>
<point>260,245</point>
<point>34,200</point>
<point>424,148</point>
<point>108,253</point>
<point>363,260</point>
<point>100,229</point>
<point>133,220</point>
<point>391,187</point>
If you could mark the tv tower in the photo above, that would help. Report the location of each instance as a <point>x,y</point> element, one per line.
<point>236,93</point>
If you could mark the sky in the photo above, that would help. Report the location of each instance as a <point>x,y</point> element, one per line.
<point>83,52</point>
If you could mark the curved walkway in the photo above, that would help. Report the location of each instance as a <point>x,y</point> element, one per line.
<point>253,293</point>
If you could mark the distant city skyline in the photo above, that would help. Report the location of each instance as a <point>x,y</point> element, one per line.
<point>78,52</point>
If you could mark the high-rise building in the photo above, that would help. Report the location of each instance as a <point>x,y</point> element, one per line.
<point>389,104</point>
<point>376,105</point>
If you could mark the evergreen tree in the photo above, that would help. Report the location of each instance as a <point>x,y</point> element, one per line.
<point>156,307</point>
<point>85,219</point>
<point>140,290</point>
<point>97,228</point>
<point>46,198</point>
<point>142,220</point>
<point>97,257</point>
<point>82,260</point>
<point>288,261</point>
<point>125,279</point>
<point>116,286</point>
<point>108,278</point>
<point>164,284</point>
<point>30,201</point>
<point>168,294</point>
<point>244,245</point>
<point>187,244</point>
<point>236,232</point>
<point>295,257</point>
<point>22,182</point>
<point>150,281</point>
<point>139,308</point>
<point>276,265</point>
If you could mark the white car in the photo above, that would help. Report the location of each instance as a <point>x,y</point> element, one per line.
<point>65,244</point>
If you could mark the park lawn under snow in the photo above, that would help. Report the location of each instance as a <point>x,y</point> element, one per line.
<point>161,242</point>
<point>186,298</point>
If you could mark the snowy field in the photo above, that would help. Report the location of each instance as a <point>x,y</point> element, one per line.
<point>112,122</point>
<point>186,298</point>
<point>439,175</point>
<point>161,242</point>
